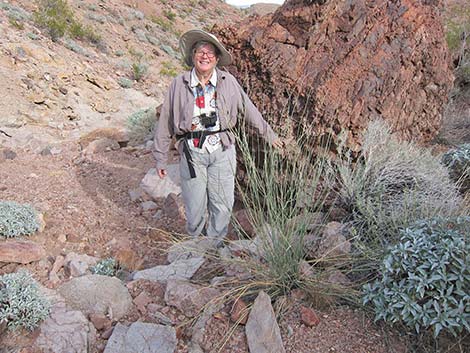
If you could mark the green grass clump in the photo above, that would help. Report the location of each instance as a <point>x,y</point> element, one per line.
<point>140,125</point>
<point>425,279</point>
<point>21,303</point>
<point>105,267</point>
<point>17,219</point>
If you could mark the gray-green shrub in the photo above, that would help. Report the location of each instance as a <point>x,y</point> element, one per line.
<point>21,303</point>
<point>425,279</point>
<point>139,70</point>
<point>17,219</point>
<point>391,185</point>
<point>105,267</point>
<point>458,162</point>
<point>140,125</point>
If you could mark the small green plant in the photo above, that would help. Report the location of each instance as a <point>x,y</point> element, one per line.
<point>15,23</point>
<point>140,125</point>
<point>170,15</point>
<point>17,219</point>
<point>425,279</point>
<point>124,82</point>
<point>458,162</point>
<point>139,70</point>
<point>21,303</point>
<point>105,267</point>
<point>163,23</point>
<point>168,69</point>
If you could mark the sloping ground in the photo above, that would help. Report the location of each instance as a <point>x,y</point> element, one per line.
<point>60,90</point>
<point>341,64</point>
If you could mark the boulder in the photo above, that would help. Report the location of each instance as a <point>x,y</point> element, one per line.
<point>345,63</point>
<point>143,338</point>
<point>97,294</point>
<point>157,188</point>
<point>78,264</point>
<point>191,248</point>
<point>174,207</point>
<point>333,243</point>
<point>65,330</point>
<point>188,298</point>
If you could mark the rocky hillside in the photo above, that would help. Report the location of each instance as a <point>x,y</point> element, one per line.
<point>56,90</point>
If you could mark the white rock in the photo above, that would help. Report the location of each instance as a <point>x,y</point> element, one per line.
<point>157,188</point>
<point>181,269</point>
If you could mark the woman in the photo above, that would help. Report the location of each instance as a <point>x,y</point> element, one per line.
<point>200,108</point>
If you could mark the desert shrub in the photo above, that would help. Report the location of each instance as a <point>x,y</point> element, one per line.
<point>58,18</point>
<point>168,69</point>
<point>390,185</point>
<point>425,279</point>
<point>124,82</point>
<point>106,267</point>
<point>55,16</point>
<point>21,303</point>
<point>15,13</point>
<point>140,125</point>
<point>458,162</point>
<point>139,70</point>
<point>17,219</point>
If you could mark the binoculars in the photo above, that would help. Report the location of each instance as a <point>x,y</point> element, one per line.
<point>208,120</point>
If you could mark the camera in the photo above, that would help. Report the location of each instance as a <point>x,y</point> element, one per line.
<point>208,120</point>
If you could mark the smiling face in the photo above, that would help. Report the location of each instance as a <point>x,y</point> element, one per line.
<point>205,59</point>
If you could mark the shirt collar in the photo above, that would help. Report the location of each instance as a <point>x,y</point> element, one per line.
<point>195,80</point>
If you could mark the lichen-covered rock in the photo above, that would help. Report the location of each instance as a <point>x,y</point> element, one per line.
<point>341,64</point>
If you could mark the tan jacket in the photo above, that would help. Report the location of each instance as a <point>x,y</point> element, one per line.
<point>177,113</point>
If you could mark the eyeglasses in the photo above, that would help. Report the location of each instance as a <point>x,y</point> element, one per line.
<point>209,54</point>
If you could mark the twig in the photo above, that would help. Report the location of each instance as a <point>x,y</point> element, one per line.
<point>3,132</point>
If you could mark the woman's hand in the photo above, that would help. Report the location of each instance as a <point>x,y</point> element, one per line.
<point>278,144</point>
<point>162,173</point>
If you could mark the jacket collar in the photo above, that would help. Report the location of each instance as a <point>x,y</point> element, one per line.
<point>187,76</point>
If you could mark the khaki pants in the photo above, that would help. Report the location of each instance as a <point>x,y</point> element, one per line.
<point>211,191</point>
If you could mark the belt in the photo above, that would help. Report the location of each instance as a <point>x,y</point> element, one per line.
<point>201,135</point>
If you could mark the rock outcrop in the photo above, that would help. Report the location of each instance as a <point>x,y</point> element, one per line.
<point>340,64</point>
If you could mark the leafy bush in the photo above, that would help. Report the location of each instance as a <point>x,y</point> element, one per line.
<point>21,303</point>
<point>425,278</point>
<point>141,125</point>
<point>17,219</point>
<point>105,267</point>
<point>391,185</point>
<point>458,162</point>
<point>139,70</point>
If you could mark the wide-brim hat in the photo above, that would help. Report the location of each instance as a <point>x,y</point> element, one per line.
<point>193,36</point>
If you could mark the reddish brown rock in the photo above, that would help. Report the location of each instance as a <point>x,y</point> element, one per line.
<point>342,64</point>
<point>239,312</point>
<point>243,221</point>
<point>308,317</point>
<point>100,321</point>
<point>22,252</point>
